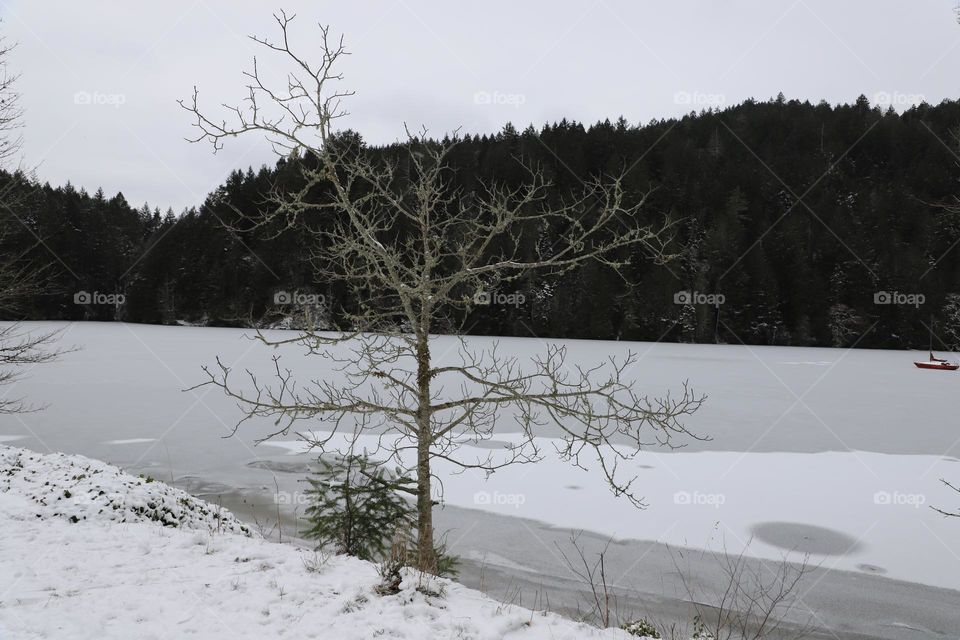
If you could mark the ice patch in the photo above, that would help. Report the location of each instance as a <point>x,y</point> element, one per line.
<point>292,447</point>
<point>492,559</point>
<point>804,538</point>
<point>130,441</point>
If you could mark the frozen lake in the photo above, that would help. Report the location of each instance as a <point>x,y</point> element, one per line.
<point>828,452</point>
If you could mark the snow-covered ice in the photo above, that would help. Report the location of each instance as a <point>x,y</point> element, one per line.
<point>847,510</point>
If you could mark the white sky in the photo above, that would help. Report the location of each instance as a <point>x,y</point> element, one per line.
<point>424,62</point>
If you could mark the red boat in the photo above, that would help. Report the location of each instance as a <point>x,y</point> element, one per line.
<point>937,363</point>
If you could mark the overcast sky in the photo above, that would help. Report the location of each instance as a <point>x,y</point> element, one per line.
<point>443,65</point>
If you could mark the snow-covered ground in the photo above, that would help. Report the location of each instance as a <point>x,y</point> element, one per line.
<point>837,453</point>
<point>77,563</point>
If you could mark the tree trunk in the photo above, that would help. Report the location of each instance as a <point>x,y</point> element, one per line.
<point>426,554</point>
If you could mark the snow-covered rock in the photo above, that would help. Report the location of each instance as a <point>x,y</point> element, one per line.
<point>107,567</point>
<point>78,488</point>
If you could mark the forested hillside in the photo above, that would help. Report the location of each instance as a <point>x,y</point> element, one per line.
<point>792,220</point>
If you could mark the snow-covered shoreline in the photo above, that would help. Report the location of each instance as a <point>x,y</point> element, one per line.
<point>72,566</point>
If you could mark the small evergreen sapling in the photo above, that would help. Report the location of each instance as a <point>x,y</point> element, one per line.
<point>356,507</point>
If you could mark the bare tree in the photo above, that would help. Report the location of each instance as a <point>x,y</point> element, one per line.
<point>602,603</point>
<point>18,349</point>
<point>20,277</point>
<point>417,253</point>
<point>945,512</point>
<point>753,601</point>
<point>10,112</point>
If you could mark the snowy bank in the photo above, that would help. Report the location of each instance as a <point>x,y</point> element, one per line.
<point>90,552</point>
<point>78,488</point>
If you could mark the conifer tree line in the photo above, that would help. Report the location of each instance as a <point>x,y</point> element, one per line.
<point>794,224</point>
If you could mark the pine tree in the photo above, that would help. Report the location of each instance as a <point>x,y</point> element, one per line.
<point>356,507</point>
